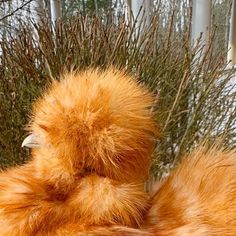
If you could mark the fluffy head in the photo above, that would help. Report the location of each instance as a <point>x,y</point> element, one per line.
<point>96,121</point>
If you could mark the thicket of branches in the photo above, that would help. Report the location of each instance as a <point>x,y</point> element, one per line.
<point>195,94</point>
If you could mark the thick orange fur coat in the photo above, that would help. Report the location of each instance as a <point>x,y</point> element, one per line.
<point>198,198</point>
<point>94,132</point>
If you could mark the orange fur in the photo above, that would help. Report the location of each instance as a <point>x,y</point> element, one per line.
<point>198,198</point>
<point>72,230</point>
<point>95,135</point>
<point>99,121</point>
<point>30,207</point>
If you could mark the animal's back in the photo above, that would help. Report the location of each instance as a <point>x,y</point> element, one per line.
<point>198,198</point>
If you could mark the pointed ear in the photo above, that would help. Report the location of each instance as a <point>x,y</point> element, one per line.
<point>31,141</point>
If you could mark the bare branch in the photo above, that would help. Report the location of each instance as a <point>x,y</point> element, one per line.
<point>17,9</point>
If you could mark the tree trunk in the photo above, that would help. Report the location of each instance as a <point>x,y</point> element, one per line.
<point>232,38</point>
<point>201,20</point>
<point>141,11</point>
<point>56,10</point>
<point>128,10</point>
<point>96,7</point>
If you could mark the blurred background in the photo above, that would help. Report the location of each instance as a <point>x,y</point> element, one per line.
<point>183,50</point>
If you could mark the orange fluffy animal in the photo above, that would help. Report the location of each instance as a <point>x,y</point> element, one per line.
<point>92,137</point>
<point>198,198</point>
<point>92,134</point>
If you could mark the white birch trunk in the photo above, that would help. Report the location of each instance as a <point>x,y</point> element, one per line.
<point>56,10</point>
<point>128,10</point>
<point>232,38</point>
<point>148,8</point>
<point>201,20</point>
<point>141,10</point>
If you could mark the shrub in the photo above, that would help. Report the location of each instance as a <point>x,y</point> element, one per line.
<point>195,98</point>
